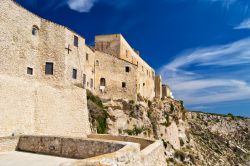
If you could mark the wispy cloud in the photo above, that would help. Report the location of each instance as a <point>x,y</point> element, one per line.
<point>81,5</point>
<point>244,25</point>
<point>225,3</point>
<point>211,75</point>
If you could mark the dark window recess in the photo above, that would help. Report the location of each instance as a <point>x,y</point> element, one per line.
<point>74,75</point>
<point>103,82</point>
<point>35,30</point>
<point>87,57</point>
<point>49,68</point>
<point>127,69</point>
<point>76,41</point>
<point>84,80</point>
<point>97,63</point>
<point>91,83</point>
<point>124,85</point>
<point>29,71</point>
<point>143,84</point>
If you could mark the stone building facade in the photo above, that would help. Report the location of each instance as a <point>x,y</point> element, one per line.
<point>45,69</point>
<point>166,91</point>
<point>158,87</point>
<point>38,93</point>
<point>117,46</point>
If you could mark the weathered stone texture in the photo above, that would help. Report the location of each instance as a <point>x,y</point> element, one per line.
<point>117,46</point>
<point>39,103</point>
<point>67,147</point>
<point>158,87</point>
<point>113,71</point>
<point>8,144</point>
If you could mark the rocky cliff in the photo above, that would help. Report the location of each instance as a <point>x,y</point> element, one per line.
<point>189,138</point>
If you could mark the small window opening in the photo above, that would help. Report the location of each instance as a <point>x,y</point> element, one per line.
<point>29,70</point>
<point>91,83</point>
<point>97,63</point>
<point>123,84</point>
<point>35,30</point>
<point>87,57</point>
<point>127,69</point>
<point>103,82</point>
<point>49,68</point>
<point>74,75</point>
<point>143,84</point>
<point>75,41</point>
<point>84,80</point>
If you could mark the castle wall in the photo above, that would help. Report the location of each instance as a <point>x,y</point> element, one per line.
<point>113,70</point>
<point>39,103</point>
<point>90,70</point>
<point>158,87</point>
<point>116,45</point>
<point>166,91</point>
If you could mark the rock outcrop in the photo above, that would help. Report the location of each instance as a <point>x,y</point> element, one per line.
<point>189,138</point>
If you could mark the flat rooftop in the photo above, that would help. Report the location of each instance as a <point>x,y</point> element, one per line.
<point>15,158</point>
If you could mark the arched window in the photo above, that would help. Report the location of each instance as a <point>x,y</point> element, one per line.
<point>97,62</point>
<point>103,82</point>
<point>35,30</point>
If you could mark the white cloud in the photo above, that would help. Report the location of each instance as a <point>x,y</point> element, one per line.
<point>244,25</point>
<point>81,5</point>
<point>211,75</point>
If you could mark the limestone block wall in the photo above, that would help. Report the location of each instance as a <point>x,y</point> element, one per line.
<point>31,107</point>
<point>61,111</point>
<point>18,46</point>
<point>143,142</point>
<point>109,44</point>
<point>158,87</point>
<point>8,143</point>
<point>116,45</point>
<point>113,70</point>
<point>76,148</point>
<point>17,108</point>
<point>153,155</point>
<point>75,58</point>
<point>166,91</point>
<point>39,103</point>
<point>90,69</point>
<point>152,151</point>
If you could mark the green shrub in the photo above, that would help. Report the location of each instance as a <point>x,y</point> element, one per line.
<point>97,112</point>
<point>134,131</point>
<point>102,123</point>
<point>94,99</point>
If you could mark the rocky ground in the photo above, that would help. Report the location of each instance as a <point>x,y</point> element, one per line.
<point>190,138</point>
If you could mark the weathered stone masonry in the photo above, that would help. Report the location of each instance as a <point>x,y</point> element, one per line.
<point>45,69</point>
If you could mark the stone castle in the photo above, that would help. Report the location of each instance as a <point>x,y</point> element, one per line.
<point>45,72</point>
<point>46,68</point>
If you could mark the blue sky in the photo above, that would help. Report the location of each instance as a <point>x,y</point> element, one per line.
<point>201,47</point>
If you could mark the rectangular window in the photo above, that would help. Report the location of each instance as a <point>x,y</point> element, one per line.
<point>124,85</point>
<point>49,68</point>
<point>127,69</point>
<point>87,56</point>
<point>29,71</point>
<point>76,41</point>
<point>91,83</point>
<point>84,80</point>
<point>74,75</point>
